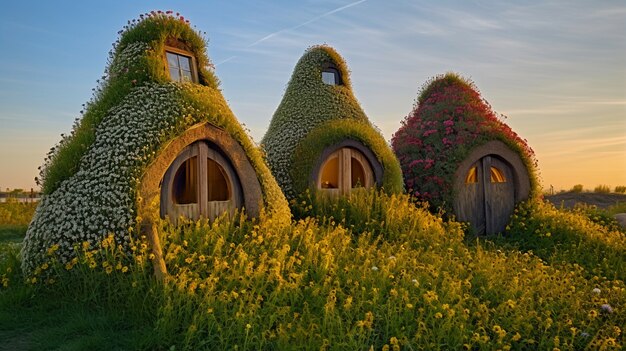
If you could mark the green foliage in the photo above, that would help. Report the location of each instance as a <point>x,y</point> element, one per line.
<point>308,104</point>
<point>449,120</point>
<point>137,58</point>
<point>581,236</point>
<point>619,207</point>
<point>620,189</point>
<point>102,301</point>
<point>330,133</point>
<point>16,213</point>
<point>602,189</point>
<point>370,211</point>
<point>404,280</point>
<point>578,188</point>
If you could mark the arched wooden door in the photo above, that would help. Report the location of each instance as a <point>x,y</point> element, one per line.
<point>343,170</point>
<point>200,183</point>
<point>487,199</point>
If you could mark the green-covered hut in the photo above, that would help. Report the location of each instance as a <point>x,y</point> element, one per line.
<point>320,138</point>
<point>157,140</point>
<point>457,154</point>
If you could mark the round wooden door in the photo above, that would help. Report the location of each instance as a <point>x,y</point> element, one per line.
<point>487,199</point>
<point>344,170</point>
<point>200,183</point>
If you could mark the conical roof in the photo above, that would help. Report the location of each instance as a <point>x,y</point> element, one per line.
<point>329,113</point>
<point>136,113</point>
<point>449,119</point>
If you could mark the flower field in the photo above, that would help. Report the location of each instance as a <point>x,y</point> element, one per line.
<point>372,271</point>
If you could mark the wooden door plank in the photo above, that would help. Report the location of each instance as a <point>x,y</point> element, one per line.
<point>203,154</point>
<point>345,171</point>
<point>488,197</point>
<point>503,197</point>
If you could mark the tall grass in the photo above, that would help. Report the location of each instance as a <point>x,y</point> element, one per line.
<point>395,278</point>
<point>16,213</point>
<point>602,189</point>
<point>583,236</point>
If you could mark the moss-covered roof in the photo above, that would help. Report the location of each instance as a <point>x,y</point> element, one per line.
<point>449,119</point>
<point>134,116</point>
<point>309,104</point>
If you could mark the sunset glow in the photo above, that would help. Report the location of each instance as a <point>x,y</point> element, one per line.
<point>556,70</point>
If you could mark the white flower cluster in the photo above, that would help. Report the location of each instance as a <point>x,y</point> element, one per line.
<point>308,102</point>
<point>281,147</point>
<point>128,57</point>
<point>100,198</point>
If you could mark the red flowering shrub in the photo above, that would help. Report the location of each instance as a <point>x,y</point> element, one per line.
<point>449,119</point>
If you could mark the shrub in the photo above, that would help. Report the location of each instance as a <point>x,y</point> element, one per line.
<point>578,188</point>
<point>620,189</point>
<point>602,189</point>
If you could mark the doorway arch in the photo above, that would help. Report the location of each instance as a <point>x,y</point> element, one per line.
<point>488,185</point>
<point>200,183</point>
<point>346,166</point>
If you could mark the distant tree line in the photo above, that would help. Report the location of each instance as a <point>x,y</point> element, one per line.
<point>602,189</point>
<point>20,194</point>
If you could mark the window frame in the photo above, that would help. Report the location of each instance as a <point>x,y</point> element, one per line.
<point>203,207</point>
<point>335,71</point>
<point>344,156</point>
<point>181,52</point>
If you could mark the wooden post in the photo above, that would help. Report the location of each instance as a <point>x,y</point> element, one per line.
<point>148,228</point>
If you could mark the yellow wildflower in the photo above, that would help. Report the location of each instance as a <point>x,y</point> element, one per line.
<point>430,296</point>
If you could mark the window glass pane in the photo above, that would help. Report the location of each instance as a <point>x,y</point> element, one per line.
<point>186,76</point>
<point>472,176</point>
<point>185,185</point>
<point>497,176</point>
<point>172,59</point>
<point>358,173</point>
<point>328,78</point>
<point>185,62</point>
<point>174,74</point>
<point>330,174</point>
<point>218,185</point>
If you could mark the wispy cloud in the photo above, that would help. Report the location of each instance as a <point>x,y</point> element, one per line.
<point>225,60</point>
<point>271,35</point>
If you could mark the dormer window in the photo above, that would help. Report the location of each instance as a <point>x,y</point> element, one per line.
<point>181,65</point>
<point>331,76</point>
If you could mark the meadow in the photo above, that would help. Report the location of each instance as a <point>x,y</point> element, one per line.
<point>365,272</point>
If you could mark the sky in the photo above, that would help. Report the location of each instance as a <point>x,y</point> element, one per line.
<point>556,69</point>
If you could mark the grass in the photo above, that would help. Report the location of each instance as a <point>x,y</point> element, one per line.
<point>369,270</point>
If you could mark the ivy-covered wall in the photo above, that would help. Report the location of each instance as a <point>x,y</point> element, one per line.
<point>311,107</point>
<point>92,178</point>
<point>449,120</point>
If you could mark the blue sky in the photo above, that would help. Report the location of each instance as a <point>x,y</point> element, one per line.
<point>557,69</point>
